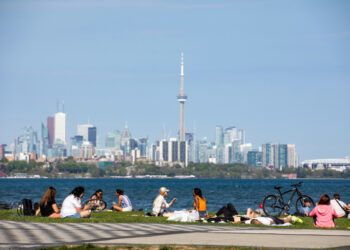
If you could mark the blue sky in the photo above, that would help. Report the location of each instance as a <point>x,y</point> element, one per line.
<point>278,69</point>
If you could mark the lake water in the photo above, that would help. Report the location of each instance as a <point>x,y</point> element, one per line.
<point>218,192</point>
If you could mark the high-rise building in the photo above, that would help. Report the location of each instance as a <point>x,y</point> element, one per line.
<point>92,135</point>
<point>2,151</point>
<point>203,150</point>
<point>143,145</point>
<point>241,135</point>
<point>268,155</point>
<point>230,135</point>
<point>60,128</point>
<point>292,156</point>
<point>125,136</point>
<point>254,158</point>
<point>45,142</point>
<point>182,98</point>
<point>51,129</point>
<point>76,143</point>
<point>83,130</point>
<point>118,139</point>
<point>173,150</point>
<point>219,135</point>
<point>110,140</point>
<point>244,149</point>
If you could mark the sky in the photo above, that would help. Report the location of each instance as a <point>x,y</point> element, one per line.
<point>278,69</point>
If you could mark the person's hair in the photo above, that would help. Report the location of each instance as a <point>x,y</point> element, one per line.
<point>48,195</point>
<point>306,200</point>
<point>77,191</point>
<point>336,196</point>
<point>254,221</point>
<point>324,200</point>
<point>119,191</point>
<point>97,191</point>
<point>198,192</point>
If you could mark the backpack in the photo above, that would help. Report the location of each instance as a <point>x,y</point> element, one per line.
<point>26,208</point>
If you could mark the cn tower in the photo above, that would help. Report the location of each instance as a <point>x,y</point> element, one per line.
<point>182,98</point>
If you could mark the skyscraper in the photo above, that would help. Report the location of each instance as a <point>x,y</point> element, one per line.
<point>219,136</point>
<point>92,134</point>
<point>60,128</point>
<point>51,128</point>
<point>182,98</point>
<point>83,130</point>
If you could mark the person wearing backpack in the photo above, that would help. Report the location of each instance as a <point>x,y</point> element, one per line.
<point>47,204</point>
<point>72,206</point>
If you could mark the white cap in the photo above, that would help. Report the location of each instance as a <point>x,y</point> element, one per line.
<point>163,189</point>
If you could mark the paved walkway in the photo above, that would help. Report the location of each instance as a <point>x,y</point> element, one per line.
<point>15,234</point>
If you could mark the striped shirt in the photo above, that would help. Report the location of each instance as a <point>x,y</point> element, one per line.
<point>125,201</point>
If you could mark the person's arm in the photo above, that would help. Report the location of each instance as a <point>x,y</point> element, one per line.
<point>171,203</point>
<point>313,213</point>
<point>120,201</point>
<point>37,211</point>
<point>197,203</point>
<point>55,208</point>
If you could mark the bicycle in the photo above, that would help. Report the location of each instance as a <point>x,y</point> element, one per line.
<point>274,205</point>
<point>96,205</point>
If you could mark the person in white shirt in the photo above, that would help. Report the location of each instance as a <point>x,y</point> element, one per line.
<point>340,207</point>
<point>72,207</point>
<point>159,204</point>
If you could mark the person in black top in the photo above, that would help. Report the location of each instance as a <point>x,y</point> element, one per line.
<point>47,205</point>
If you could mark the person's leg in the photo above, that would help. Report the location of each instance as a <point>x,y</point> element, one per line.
<point>167,214</point>
<point>221,211</point>
<point>85,214</point>
<point>116,208</point>
<point>231,209</point>
<point>55,215</point>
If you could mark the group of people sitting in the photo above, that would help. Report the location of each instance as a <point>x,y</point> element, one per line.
<point>72,206</point>
<point>323,213</point>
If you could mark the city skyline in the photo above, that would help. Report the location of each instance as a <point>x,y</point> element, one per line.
<point>281,75</point>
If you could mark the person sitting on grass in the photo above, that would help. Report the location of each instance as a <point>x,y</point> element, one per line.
<point>159,203</point>
<point>72,207</point>
<point>305,210</point>
<point>124,203</point>
<point>340,207</point>
<point>47,205</point>
<point>96,200</point>
<point>200,204</point>
<point>324,213</point>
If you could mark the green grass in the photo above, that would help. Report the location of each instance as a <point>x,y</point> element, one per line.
<point>137,217</point>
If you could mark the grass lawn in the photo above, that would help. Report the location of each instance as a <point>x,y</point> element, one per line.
<point>137,217</point>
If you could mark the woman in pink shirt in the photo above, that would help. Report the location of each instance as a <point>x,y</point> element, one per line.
<point>324,212</point>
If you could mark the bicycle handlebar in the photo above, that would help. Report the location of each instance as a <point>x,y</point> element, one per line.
<point>297,185</point>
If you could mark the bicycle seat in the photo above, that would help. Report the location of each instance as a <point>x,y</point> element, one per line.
<point>277,187</point>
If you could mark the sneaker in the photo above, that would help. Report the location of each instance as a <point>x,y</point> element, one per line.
<point>296,219</point>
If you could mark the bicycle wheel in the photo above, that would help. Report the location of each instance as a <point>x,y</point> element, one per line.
<point>272,205</point>
<point>96,205</point>
<point>300,206</point>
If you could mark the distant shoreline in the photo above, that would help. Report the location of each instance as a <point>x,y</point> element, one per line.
<point>162,178</point>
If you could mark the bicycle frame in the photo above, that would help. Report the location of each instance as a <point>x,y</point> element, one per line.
<point>280,197</point>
